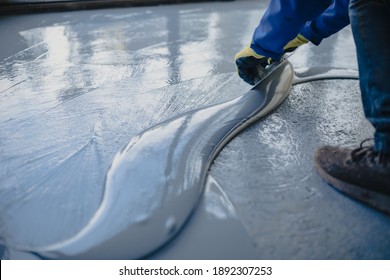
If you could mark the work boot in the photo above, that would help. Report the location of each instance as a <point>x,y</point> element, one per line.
<point>362,173</point>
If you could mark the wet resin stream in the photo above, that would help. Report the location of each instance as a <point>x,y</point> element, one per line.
<point>155,182</point>
<point>76,87</point>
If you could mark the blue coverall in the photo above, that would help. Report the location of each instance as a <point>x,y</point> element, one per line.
<point>315,20</point>
<point>284,19</point>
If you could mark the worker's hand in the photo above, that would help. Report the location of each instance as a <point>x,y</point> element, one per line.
<point>250,65</point>
<point>295,43</point>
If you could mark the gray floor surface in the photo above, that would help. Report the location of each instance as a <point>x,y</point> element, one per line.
<point>76,86</point>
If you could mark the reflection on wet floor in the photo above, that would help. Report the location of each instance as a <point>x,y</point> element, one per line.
<point>76,86</point>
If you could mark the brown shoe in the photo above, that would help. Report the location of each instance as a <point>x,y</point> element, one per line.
<point>363,173</point>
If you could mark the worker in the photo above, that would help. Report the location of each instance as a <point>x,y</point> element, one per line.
<point>362,173</point>
<point>287,25</point>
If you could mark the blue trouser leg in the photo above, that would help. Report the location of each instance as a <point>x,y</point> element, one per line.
<point>331,21</point>
<point>281,23</point>
<point>370,21</point>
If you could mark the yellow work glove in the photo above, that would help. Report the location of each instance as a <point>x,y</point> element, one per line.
<point>250,65</point>
<point>295,43</point>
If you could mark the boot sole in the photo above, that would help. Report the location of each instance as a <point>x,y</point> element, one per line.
<point>374,199</point>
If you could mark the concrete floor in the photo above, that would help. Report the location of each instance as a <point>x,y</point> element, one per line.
<point>76,86</point>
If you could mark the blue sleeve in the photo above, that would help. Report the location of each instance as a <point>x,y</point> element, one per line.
<point>331,21</point>
<point>282,22</point>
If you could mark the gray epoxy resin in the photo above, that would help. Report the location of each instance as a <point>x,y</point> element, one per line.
<point>155,182</point>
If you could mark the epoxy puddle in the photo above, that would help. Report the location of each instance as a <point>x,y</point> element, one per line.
<point>155,182</point>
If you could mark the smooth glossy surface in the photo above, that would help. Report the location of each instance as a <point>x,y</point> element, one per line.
<point>214,231</point>
<point>155,182</point>
<point>75,87</point>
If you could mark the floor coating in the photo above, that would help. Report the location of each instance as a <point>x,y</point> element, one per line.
<point>76,86</point>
